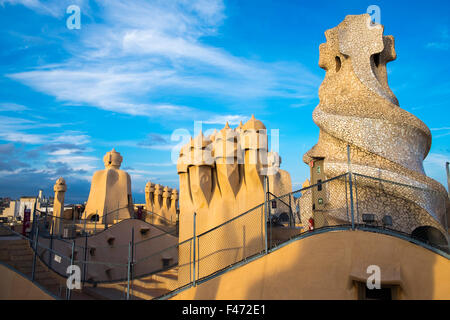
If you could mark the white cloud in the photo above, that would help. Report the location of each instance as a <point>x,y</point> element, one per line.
<point>54,8</point>
<point>441,134</point>
<point>438,45</point>
<point>12,107</point>
<point>11,129</point>
<point>442,43</point>
<point>150,164</point>
<point>22,137</point>
<point>143,48</point>
<point>71,138</point>
<point>231,119</point>
<point>76,162</point>
<point>14,129</point>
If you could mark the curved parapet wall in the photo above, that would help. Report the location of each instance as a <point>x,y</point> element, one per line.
<point>332,265</point>
<point>357,108</point>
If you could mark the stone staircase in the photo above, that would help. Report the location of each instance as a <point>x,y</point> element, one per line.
<point>145,288</point>
<point>19,255</point>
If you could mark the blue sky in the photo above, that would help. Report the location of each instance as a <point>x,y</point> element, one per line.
<point>138,70</point>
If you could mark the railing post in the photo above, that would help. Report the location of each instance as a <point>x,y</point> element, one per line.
<point>447,167</point>
<point>33,226</point>
<point>350,178</point>
<point>85,225</point>
<point>291,215</point>
<point>190,255</point>
<point>265,214</point>
<point>132,257</point>
<point>69,291</point>
<point>269,207</point>
<point>36,239</point>
<point>95,221</point>
<point>85,257</point>
<point>129,271</point>
<point>194,257</point>
<point>51,246</point>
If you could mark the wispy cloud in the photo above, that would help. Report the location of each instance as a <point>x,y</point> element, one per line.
<point>150,164</point>
<point>76,162</point>
<point>231,119</point>
<point>54,8</point>
<point>434,166</point>
<point>12,107</point>
<point>15,129</point>
<point>442,43</point>
<point>446,131</point>
<point>142,50</point>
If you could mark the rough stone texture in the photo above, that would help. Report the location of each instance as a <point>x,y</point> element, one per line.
<point>221,175</point>
<point>110,193</point>
<point>358,108</point>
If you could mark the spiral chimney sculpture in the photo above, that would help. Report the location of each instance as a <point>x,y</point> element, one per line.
<point>358,108</point>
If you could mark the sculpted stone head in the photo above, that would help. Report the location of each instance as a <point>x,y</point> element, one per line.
<point>149,187</point>
<point>158,190</point>
<point>254,135</point>
<point>60,185</point>
<point>112,159</point>
<point>166,192</point>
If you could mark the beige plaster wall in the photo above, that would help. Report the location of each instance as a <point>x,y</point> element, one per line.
<point>325,266</point>
<point>109,259</point>
<point>14,286</point>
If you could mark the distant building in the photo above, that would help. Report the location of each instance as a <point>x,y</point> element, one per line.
<point>26,202</point>
<point>12,210</point>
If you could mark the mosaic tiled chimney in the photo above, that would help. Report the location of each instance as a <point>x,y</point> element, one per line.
<point>358,108</point>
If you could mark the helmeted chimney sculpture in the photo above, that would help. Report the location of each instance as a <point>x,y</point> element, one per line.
<point>110,196</point>
<point>222,176</point>
<point>162,201</point>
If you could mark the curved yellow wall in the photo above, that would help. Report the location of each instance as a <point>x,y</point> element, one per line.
<point>13,286</point>
<point>326,266</point>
